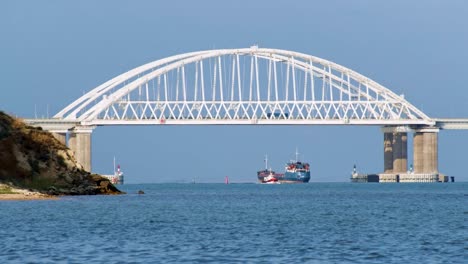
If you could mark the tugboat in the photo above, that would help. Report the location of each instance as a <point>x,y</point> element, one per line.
<point>270,179</point>
<point>267,175</point>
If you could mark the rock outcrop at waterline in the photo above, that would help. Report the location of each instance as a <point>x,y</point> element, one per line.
<point>34,159</point>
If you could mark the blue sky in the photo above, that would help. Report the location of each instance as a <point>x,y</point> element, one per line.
<point>51,52</point>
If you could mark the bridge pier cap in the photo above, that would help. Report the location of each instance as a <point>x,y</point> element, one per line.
<point>239,86</point>
<point>82,129</point>
<point>396,129</point>
<point>426,129</point>
<point>408,129</point>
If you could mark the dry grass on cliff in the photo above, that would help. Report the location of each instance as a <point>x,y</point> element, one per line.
<point>29,134</point>
<point>44,139</point>
<point>26,152</point>
<point>17,123</point>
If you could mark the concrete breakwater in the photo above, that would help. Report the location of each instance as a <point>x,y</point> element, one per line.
<point>402,177</point>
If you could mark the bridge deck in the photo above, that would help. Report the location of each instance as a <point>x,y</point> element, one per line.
<point>452,123</point>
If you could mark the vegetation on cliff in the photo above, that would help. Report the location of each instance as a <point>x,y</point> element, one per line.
<point>34,159</point>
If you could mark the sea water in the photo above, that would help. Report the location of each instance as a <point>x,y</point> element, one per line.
<point>243,223</point>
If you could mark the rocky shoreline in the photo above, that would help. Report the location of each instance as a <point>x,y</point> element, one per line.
<point>34,164</point>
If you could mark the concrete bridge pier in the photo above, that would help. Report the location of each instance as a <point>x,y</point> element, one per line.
<point>425,146</point>
<point>400,152</point>
<point>388,152</point>
<point>80,143</point>
<point>395,150</point>
<point>60,135</point>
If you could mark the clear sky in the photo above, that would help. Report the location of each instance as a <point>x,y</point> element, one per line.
<point>51,52</point>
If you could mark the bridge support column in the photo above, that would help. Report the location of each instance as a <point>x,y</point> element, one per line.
<point>395,150</point>
<point>388,152</point>
<point>400,152</point>
<point>80,143</point>
<point>60,135</point>
<point>418,159</point>
<point>425,147</point>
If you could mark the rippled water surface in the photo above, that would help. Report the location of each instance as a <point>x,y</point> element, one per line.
<point>242,223</point>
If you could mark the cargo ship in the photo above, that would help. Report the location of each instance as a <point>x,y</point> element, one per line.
<point>295,172</point>
<point>117,177</point>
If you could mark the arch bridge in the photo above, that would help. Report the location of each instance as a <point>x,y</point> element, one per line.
<point>253,85</point>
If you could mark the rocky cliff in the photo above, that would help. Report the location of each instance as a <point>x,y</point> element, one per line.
<point>32,158</point>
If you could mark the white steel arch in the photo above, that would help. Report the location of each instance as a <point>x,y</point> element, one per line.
<point>242,86</point>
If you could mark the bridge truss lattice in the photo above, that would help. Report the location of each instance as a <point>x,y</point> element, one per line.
<point>242,86</point>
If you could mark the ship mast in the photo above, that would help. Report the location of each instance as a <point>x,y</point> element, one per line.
<point>297,155</point>
<point>266,162</point>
